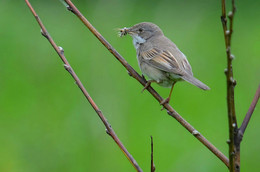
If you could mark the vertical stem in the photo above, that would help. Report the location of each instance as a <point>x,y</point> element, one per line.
<point>152,163</point>
<point>234,144</point>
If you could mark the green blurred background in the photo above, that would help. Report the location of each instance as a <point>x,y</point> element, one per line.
<point>46,124</point>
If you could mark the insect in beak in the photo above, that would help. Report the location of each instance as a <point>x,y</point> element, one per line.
<point>124,31</point>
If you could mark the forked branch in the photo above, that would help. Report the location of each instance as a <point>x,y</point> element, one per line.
<point>234,152</point>
<point>140,79</point>
<point>235,133</point>
<point>67,66</point>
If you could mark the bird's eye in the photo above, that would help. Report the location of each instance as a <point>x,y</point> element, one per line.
<point>141,30</point>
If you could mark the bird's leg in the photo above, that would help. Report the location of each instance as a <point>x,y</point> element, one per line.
<point>148,83</point>
<point>167,100</point>
<point>143,77</point>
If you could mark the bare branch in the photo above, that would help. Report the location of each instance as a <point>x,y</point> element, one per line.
<point>152,163</point>
<point>67,66</point>
<point>235,133</point>
<point>234,146</point>
<point>249,113</point>
<point>140,79</point>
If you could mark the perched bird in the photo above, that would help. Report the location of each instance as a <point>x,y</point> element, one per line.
<point>159,58</point>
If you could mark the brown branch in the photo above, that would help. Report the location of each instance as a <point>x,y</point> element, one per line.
<point>234,143</point>
<point>235,133</point>
<point>140,79</point>
<point>249,113</point>
<point>67,66</point>
<point>152,163</point>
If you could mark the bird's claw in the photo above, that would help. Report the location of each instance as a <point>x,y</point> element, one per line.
<point>164,102</point>
<point>148,83</point>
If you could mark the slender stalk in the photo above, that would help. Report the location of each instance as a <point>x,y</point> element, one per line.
<point>141,80</point>
<point>234,146</point>
<point>235,133</point>
<point>67,66</point>
<point>249,113</point>
<point>152,163</point>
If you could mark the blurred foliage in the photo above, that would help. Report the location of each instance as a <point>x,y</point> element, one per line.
<point>47,125</point>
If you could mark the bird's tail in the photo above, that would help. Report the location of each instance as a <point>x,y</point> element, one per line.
<point>195,82</point>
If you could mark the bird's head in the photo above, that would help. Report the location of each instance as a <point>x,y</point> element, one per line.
<point>141,32</point>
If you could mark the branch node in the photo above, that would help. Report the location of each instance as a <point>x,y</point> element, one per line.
<point>70,9</point>
<point>170,113</point>
<point>233,81</point>
<point>44,34</point>
<point>99,111</point>
<point>228,141</point>
<point>230,14</point>
<point>68,68</point>
<point>129,73</point>
<point>227,32</point>
<point>223,20</point>
<point>232,57</point>
<point>228,49</point>
<point>237,167</point>
<point>240,135</point>
<point>110,48</point>
<point>226,71</point>
<point>76,83</point>
<point>195,133</point>
<point>61,50</point>
<point>108,132</point>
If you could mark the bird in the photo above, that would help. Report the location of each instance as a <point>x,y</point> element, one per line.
<point>159,58</point>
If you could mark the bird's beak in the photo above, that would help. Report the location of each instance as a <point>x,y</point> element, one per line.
<point>124,31</point>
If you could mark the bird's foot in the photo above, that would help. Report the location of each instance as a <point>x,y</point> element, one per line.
<point>148,84</point>
<point>164,102</point>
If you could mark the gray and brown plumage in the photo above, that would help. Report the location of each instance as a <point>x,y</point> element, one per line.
<point>159,58</point>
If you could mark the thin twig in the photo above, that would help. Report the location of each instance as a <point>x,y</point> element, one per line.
<point>67,66</point>
<point>235,133</point>
<point>249,113</point>
<point>152,163</point>
<point>234,150</point>
<point>140,79</point>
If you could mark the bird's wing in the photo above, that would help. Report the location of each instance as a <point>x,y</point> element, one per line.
<point>164,60</point>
